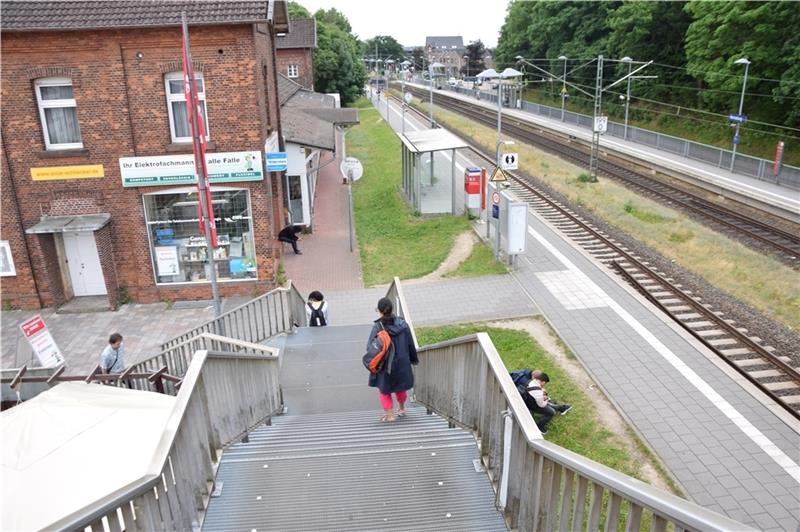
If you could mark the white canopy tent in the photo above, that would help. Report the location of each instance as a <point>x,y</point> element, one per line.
<point>73,445</point>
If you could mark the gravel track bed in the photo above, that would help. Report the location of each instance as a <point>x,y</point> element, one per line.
<point>784,340</point>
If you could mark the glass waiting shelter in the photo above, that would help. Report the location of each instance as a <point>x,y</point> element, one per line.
<point>430,183</point>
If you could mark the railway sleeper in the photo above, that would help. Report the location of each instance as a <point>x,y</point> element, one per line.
<point>698,324</point>
<point>780,386</point>
<point>711,333</point>
<point>765,374</point>
<point>736,351</point>
<point>688,316</point>
<point>792,400</point>
<point>723,341</point>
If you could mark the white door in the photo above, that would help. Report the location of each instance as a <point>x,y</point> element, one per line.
<point>84,264</point>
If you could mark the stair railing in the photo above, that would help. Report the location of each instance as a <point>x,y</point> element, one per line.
<point>275,312</point>
<point>223,395</point>
<point>540,485</point>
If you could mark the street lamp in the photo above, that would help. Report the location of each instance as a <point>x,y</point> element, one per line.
<point>467,58</point>
<point>628,60</point>
<point>563,85</point>
<point>431,66</point>
<point>405,65</point>
<point>736,137</point>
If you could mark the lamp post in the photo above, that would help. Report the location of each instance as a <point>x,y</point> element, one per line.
<point>563,85</point>
<point>628,60</point>
<point>736,138</point>
<point>467,60</point>
<point>431,66</point>
<point>405,65</point>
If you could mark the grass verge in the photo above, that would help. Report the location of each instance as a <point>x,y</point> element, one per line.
<point>392,240</point>
<point>719,260</point>
<point>578,431</point>
<point>480,262</point>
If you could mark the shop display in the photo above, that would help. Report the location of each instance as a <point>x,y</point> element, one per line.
<point>180,253</point>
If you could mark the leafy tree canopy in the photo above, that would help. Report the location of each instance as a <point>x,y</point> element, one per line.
<point>337,59</point>
<point>297,11</point>
<point>474,64</point>
<point>385,46</point>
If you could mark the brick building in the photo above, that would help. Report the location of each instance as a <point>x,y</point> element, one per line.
<point>449,51</point>
<point>97,188</point>
<point>295,51</point>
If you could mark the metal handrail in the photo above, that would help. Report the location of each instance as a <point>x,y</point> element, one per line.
<point>254,313</point>
<point>192,402</point>
<point>532,467</point>
<point>396,294</point>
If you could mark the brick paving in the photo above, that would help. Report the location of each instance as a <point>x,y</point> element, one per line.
<point>327,262</point>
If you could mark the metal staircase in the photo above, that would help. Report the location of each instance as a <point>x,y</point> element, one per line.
<point>349,471</point>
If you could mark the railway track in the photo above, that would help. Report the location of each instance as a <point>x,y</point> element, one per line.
<point>771,372</point>
<point>784,245</point>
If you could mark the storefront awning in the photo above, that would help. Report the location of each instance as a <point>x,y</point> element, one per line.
<point>64,224</point>
<point>432,140</point>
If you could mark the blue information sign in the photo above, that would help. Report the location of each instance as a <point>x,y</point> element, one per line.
<point>277,161</point>
<point>737,119</point>
<point>495,211</point>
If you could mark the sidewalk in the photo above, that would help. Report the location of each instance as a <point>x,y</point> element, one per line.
<point>327,262</point>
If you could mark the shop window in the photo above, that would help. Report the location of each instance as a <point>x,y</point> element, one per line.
<point>178,248</point>
<point>6,261</point>
<point>176,106</point>
<point>58,113</point>
<point>294,71</point>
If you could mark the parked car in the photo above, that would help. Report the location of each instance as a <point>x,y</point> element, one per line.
<point>453,82</point>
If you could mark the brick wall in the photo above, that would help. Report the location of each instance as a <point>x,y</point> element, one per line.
<point>18,291</point>
<point>118,85</point>
<point>303,59</point>
<point>103,239</point>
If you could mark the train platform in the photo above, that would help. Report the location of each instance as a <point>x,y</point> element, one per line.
<point>729,448</point>
<point>784,201</point>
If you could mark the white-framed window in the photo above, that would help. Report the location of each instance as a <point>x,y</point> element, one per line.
<point>294,71</point>
<point>58,113</point>
<point>176,106</point>
<point>6,260</point>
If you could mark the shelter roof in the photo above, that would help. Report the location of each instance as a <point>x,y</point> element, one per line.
<point>302,34</point>
<point>30,15</point>
<point>72,445</point>
<point>62,224</point>
<point>428,140</point>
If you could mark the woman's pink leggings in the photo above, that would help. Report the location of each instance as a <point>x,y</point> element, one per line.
<point>386,399</point>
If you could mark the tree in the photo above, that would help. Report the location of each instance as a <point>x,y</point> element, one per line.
<point>297,11</point>
<point>476,51</point>
<point>385,46</point>
<point>418,58</point>
<point>766,33</point>
<point>337,59</point>
<point>653,31</point>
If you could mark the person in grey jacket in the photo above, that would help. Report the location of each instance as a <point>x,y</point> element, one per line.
<point>401,377</point>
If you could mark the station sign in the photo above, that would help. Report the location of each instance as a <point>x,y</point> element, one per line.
<point>508,161</point>
<point>600,124</point>
<point>352,168</point>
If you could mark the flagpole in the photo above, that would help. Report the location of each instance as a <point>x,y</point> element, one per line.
<point>204,193</point>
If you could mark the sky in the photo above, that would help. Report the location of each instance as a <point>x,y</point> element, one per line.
<point>410,21</point>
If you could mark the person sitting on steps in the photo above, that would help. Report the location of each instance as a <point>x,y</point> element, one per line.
<point>290,234</point>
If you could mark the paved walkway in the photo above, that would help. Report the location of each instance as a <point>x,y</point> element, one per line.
<point>327,262</point>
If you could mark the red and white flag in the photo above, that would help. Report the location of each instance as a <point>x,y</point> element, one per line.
<point>195,111</point>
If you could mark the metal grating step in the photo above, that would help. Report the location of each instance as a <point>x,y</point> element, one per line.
<point>349,471</point>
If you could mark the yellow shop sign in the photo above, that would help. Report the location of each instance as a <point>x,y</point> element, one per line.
<point>82,171</point>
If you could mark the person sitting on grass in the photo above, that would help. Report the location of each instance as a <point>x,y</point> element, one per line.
<point>542,405</point>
